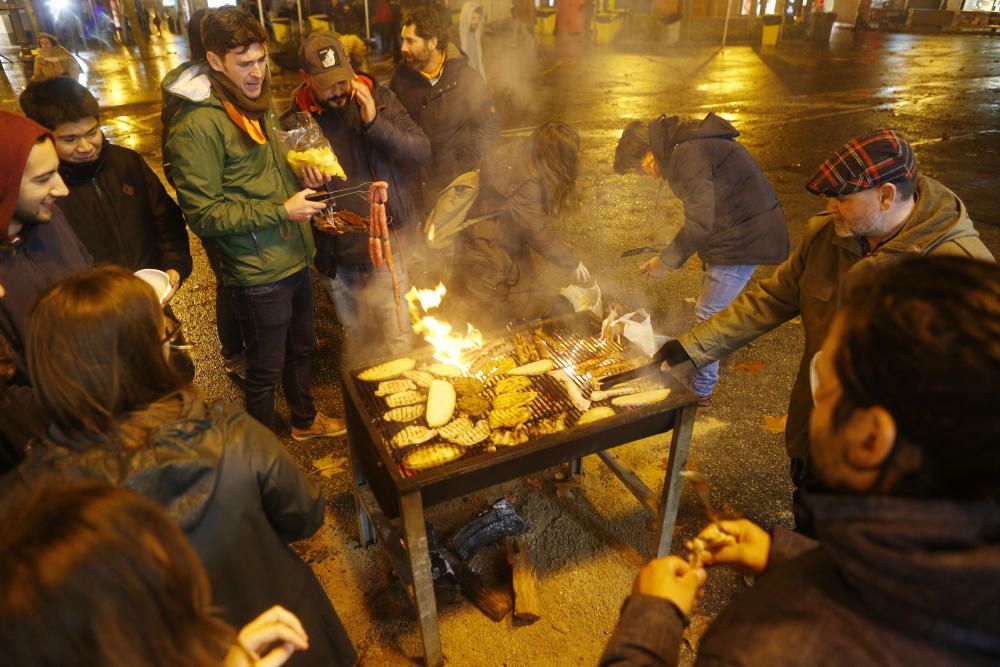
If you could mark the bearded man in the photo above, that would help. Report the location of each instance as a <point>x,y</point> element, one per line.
<point>447,98</point>
<point>374,139</point>
<point>878,209</point>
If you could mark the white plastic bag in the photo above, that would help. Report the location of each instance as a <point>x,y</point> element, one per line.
<point>584,298</point>
<point>638,328</point>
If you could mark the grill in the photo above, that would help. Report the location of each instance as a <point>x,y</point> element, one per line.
<point>386,489</point>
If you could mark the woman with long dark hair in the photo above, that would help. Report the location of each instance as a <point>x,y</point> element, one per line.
<point>92,574</point>
<point>522,184</point>
<point>100,359</point>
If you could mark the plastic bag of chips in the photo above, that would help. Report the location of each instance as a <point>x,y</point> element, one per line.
<point>307,145</point>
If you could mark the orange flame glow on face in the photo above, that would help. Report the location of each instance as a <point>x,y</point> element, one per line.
<point>449,347</point>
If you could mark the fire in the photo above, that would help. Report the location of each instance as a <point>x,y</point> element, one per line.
<point>449,346</point>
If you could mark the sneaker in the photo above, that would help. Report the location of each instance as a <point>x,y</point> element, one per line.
<point>236,366</point>
<point>704,401</point>
<point>323,426</point>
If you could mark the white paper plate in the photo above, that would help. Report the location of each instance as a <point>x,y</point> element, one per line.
<point>158,280</point>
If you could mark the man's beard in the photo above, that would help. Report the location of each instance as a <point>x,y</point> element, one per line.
<point>336,103</point>
<point>418,63</point>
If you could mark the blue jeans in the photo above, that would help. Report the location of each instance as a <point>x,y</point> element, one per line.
<point>365,308</point>
<point>277,323</point>
<point>720,284</point>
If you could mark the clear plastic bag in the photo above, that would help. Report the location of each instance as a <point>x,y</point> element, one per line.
<point>307,145</point>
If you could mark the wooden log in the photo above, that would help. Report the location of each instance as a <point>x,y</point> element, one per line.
<point>526,607</point>
<point>492,601</point>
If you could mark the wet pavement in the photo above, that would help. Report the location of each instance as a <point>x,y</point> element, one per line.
<point>794,104</point>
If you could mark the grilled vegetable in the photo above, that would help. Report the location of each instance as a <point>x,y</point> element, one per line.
<point>444,370</point>
<point>595,414</point>
<point>420,378</point>
<point>404,398</point>
<point>524,350</point>
<point>475,406</point>
<point>462,432</point>
<point>514,399</point>
<point>440,403</point>
<point>406,413</point>
<point>432,456</point>
<point>394,387</point>
<point>466,385</point>
<point>509,417</point>
<point>389,369</point>
<point>511,383</point>
<point>642,398</point>
<point>498,367</point>
<point>412,435</point>
<point>509,437</point>
<point>534,368</point>
<point>548,426</point>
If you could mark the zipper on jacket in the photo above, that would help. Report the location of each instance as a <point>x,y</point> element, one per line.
<point>114,214</point>
<point>253,235</point>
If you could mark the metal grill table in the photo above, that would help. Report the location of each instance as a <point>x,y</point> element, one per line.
<point>385,490</point>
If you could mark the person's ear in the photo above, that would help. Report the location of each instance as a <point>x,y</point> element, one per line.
<point>871,437</point>
<point>215,62</point>
<point>886,195</point>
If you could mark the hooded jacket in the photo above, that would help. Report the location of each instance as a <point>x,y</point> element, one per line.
<point>237,495</point>
<point>456,114</point>
<point>472,42</point>
<point>54,61</point>
<point>122,213</point>
<point>391,143</point>
<point>891,581</point>
<point>731,215</point>
<point>231,188</point>
<point>493,257</point>
<point>809,282</point>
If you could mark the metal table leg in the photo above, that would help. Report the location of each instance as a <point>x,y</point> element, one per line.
<point>680,445</point>
<point>411,510</point>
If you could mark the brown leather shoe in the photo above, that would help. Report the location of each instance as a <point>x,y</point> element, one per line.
<point>705,401</point>
<point>323,426</point>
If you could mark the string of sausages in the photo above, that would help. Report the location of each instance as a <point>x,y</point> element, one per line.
<point>379,248</point>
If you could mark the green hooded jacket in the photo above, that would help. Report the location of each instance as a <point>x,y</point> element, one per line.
<point>230,188</point>
<point>809,282</point>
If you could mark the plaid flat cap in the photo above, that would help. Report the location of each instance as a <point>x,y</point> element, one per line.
<point>883,156</point>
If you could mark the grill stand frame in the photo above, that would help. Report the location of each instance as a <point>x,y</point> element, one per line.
<point>412,562</point>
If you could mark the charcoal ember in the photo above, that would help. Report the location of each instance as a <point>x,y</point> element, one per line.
<point>491,526</point>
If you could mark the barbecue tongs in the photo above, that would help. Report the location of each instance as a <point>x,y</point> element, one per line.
<point>650,369</point>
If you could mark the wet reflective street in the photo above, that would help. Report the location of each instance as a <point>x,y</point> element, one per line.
<point>794,104</point>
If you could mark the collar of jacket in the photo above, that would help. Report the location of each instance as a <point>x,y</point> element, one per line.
<point>78,173</point>
<point>924,565</point>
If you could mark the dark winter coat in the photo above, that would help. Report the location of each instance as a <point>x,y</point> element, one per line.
<point>457,115</point>
<point>46,253</point>
<point>731,215</point>
<point>237,495</point>
<point>382,150</point>
<point>120,210</point>
<point>891,582</point>
<point>493,267</point>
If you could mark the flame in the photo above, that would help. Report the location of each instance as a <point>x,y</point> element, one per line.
<point>449,346</point>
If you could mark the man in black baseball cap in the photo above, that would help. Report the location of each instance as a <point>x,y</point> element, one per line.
<point>374,139</point>
<point>878,210</point>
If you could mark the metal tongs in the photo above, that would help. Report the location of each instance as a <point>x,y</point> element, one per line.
<point>650,369</point>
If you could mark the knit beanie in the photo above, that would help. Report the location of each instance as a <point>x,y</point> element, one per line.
<point>16,141</point>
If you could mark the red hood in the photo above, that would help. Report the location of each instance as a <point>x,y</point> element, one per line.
<point>16,141</point>
<point>306,101</point>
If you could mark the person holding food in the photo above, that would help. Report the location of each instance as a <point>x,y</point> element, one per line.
<point>878,210</point>
<point>123,413</point>
<point>904,432</point>
<point>374,139</point>
<point>236,188</point>
<point>116,204</point>
<point>732,219</point>
<point>522,183</point>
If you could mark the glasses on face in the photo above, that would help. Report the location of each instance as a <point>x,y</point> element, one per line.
<point>173,334</point>
<point>814,375</point>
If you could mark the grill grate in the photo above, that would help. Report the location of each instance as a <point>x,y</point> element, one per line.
<point>574,345</point>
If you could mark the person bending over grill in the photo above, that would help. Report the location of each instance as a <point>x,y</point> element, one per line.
<point>878,209</point>
<point>91,574</point>
<point>904,434</point>
<point>522,183</point>
<point>732,219</point>
<point>101,360</point>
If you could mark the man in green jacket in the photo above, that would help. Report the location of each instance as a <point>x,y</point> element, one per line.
<point>236,188</point>
<point>878,210</point>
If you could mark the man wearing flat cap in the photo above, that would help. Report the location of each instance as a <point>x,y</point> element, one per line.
<point>374,138</point>
<point>878,209</point>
